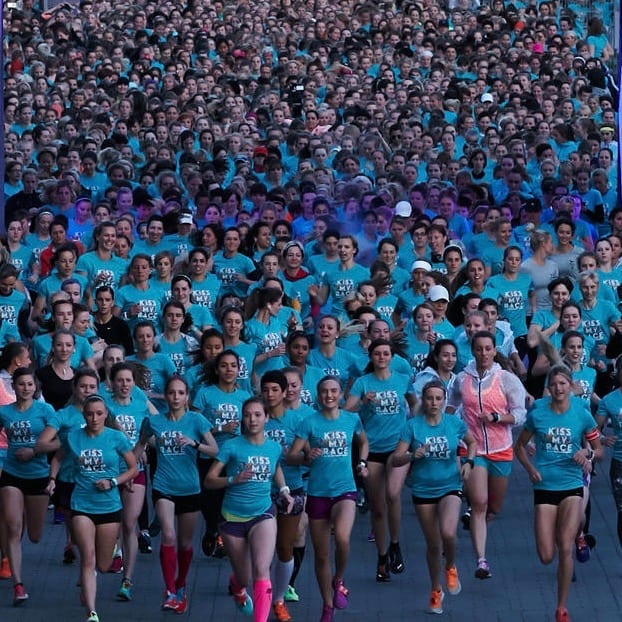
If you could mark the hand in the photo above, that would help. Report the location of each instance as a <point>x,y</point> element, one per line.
<point>103,484</point>
<point>315,452</point>
<point>370,397</point>
<point>134,310</point>
<point>581,458</point>
<point>184,440</point>
<point>24,454</point>
<point>290,502</point>
<point>230,427</point>
<point>465,471</point>
<point>421,452</point>
<point>535,476</point>
<point>608,441</point>
<point>244,475</point>
<point>51,487</point>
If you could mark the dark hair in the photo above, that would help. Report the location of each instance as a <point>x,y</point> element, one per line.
<point>483,334</point>
<point>10,351</point>
<point>211,374</point>
<point>434,384</point>
<point>276,376</point>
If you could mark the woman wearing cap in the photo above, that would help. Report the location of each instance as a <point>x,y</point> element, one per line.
<point>561,427</point>
<point>416,293</point>
<point>492,400</point>
<point>379,397</point>
<point>438,298</point>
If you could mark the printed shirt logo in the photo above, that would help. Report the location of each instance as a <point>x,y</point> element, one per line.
<point>438,447</point>
<point>21,432</point>
<point>512,300</point>
<point>92,460</point>
<point>168,443</point>
<point>386,403</point>
<point>343,287</point>
<point>558,440</point>
<point>127,423</point>
<point>226,413</point>
<point>227,275</point>
<point>202,297</point>
<point>7,312</point>
<point>260,466</point>
<point>104,277</point>
<point>334,444</point>
<point>278,435</point>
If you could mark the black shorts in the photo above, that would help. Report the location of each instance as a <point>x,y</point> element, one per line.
<point>184,504</point>
<point>62,494</point>
<point>241,529</point>
<point>100,519</point>
<point>379,456</point>
<point>555,497</point>
<point>434,500</point>
<point>36,486</point>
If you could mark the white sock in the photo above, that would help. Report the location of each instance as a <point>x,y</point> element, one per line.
<point>282,573</point>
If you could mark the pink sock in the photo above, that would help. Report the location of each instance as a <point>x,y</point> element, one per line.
<point>262,599</point>
<point>184,557</point>
<point>168,562</point>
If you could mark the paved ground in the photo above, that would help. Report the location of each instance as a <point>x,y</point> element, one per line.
<point>520,590</point>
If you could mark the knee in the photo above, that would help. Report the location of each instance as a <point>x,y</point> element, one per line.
<point>103,566</point>
<point>479,506</point>
<point>377,512</point>
<point>546,557</point>
<point>284,553</point>
<point>34,538</point>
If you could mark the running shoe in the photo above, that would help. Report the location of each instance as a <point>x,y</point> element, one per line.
<point>371,537</point>
<point>327,614</point>
<point>561,615</point>
<point>243,602</point>
<point>361,501</point>
<point>117,563</point>
<point>182,601</point>
<point>170,601</point>
<point>452,581</point>
<point>93,617</point>
<point>280,612</point>
<point>69,555</point>
<point>20,596</point>
<point>466,520</point>
<point>396,559</point>
<point>208,544</point>
<point>483,570</point>
<point>436,601</point>
<point>125,591</point>
<point>59,518</point>
<point>340,597</point>
<point>591,540</point>
<point>582,550</point>
<point>155,528</point>
<point>382,572</point>
<point>5,568</point>
<point>291,595</point>
<point>219,549</point>
<point>144,542</point>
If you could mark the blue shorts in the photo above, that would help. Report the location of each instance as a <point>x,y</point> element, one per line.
<point>495,468</point>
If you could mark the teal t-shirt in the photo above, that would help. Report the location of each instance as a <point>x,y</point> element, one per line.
<point>611,408</point>
<point>177,472</point>
<point>513,299</point>
<point>220,408</point>
<point>23,429</point>
<point>437,473</point>
<point>283,431</point>
<point>558,436</point>
<point>330,474</point>
<point>251,498</point>
<point>384,417</point>
<point>96,458</point>
<point>101,272</point>
<point>65,421</point>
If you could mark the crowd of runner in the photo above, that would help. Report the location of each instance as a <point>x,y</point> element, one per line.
<point>266,262</point>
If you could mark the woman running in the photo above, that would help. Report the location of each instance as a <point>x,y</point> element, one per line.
<point>492,401</point>
<point>249,528</point>
<point>430,443</point>
<point>379,397</point>
<point>96,452</point>
<point>178,435</point>
<point>24,479</point>
<point>559,425</point>
<point>325,438</point>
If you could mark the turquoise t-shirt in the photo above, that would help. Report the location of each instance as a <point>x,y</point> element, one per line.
<point>266,337</point>
<point>225,269</point>
<point>246,356</point>
<point>177,472</point>
<point>206,292</point>
<point>611,408</point>
<point>437,473</point>
<point>596,321</point>
<point>283,431</point>
<point>558,436</point>
<point>101,272</point>
<point>65,421</point>
<point>251,498</point>
<point>23,429</point>
<point>180,352</point>
<point>129,418</point>
<point>42,346</point>
<point>159,369</point>
<point>96,458</point>
<point>342,283</point>
<point>11,305</point>
<point>330,474</point>
<point>341,365</point>
<point>513,299</point>
<point>585,378</point>
<point>383,417</point>
<point>220,408</point>
<point>149,303</point>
